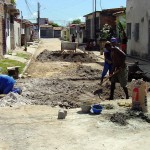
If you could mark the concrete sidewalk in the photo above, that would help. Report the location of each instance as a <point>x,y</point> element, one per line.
<point>30,50</point>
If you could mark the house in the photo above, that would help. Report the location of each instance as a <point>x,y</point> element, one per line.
<point>26,32</point>
<point>8,13</point>
<point>43,21</point>
<point>65,34</point>
<point>138,28</point>
<point>46,31</point>
<point>96,20</point>
<point>17,32</point>
<point>57,32</point>
<point>78,30</point>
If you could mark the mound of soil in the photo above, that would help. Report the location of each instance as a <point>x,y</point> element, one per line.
<point>47,56</point>
<point>88,71</point>
<point>83,72</point>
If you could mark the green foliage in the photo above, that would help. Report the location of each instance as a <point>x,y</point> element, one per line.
<point>55,24</point>
<point>76,21</point>
<point>4,63</point>
<point>23,55</point>
<point>121,26</point>
<point>13,1</point>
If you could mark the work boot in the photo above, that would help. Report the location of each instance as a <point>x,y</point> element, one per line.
<point>126,92</point>
<point>112,89</point>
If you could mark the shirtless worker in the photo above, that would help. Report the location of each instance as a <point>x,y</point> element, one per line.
<point>119,71</point>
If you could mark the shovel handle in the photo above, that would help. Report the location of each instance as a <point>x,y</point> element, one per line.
<point>110,76</point>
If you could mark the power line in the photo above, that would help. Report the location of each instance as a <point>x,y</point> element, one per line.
<point>101,4</point>
<point>28,7</point>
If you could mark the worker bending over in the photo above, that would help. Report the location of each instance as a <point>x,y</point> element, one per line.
<point>6,84</point>
<point>119,70</point>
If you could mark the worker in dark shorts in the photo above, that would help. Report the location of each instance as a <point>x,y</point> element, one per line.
<point>119,71</point>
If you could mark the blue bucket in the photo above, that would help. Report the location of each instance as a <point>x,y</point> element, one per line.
<point>97,109</point>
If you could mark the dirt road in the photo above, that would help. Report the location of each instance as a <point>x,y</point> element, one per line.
<point>29,122</point>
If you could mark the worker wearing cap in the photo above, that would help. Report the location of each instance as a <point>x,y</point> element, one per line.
<point>114,41</point>
<point>6,84</point>
<point>119,70</point>
<point>108,60</point>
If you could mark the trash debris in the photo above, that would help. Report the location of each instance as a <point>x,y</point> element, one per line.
<point>108,106</point>
<point>119,118</point>
<point>62,114</point>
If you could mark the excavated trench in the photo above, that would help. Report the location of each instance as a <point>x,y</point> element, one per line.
<point>82,84</point>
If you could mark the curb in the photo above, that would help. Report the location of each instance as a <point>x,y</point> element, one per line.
<point>28,63</point>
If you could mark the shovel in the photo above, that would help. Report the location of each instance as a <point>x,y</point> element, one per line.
<point>110,76</point>
<point>100,91</point>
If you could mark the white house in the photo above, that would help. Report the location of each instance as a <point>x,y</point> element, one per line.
<point>17,33</point>
<point>138,28</point>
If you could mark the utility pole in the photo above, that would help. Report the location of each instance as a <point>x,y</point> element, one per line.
<point>95,23</point>
<point>21,27</point>
<point>38,20</point>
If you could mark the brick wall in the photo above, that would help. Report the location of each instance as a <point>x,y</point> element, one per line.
<point>108,19</point>
<point>1,27</point>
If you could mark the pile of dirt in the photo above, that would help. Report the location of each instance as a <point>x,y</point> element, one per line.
<point>83,72</point>
<point>63,92</point>
<point>47,56</point>
<point>54,92</point>
<point>88,71</point>
<point>121,118</point>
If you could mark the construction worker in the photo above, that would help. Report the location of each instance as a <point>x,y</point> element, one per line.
<point>119,70</point>
<point>114,41</point>
<point>108,60</point>
<point>6,84</point>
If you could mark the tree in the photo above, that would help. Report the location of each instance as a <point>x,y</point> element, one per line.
<point>76,21</point>
<point>54,24</point>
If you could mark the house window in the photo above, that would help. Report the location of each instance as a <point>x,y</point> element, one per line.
<point>129,30</point>
<point>136,32</point>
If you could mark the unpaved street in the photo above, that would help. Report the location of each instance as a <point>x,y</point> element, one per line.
<point>30,121</point>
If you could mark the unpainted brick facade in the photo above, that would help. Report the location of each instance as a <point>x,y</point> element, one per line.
<point>1,27</point>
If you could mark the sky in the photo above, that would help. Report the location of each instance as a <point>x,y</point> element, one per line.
<point>64,11</point>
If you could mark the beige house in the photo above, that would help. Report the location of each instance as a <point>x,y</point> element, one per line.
<point>138,28</point>
<point>65,34</point>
